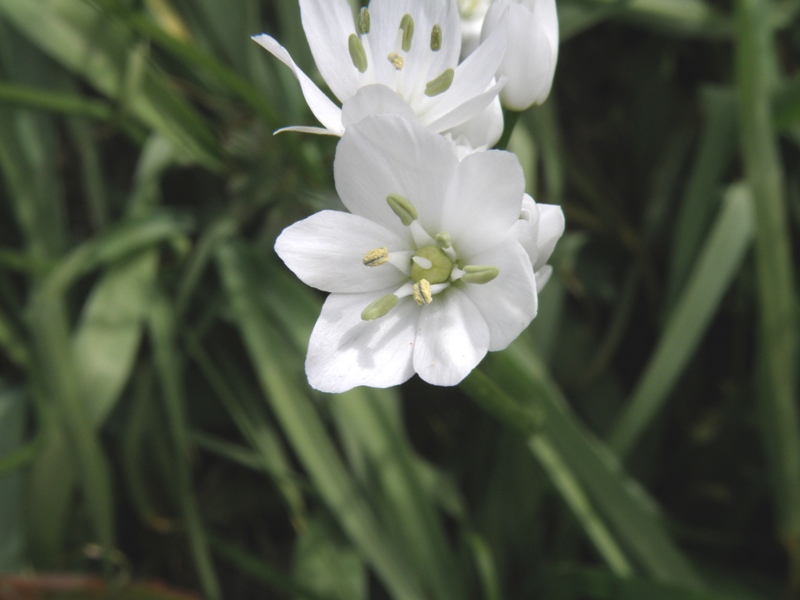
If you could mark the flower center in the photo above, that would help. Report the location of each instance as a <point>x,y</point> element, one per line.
<point>431,263</point>
<point>431,268</point>
<point>358,45</point>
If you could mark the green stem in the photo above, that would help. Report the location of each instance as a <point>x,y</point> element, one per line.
<point>510,118</point>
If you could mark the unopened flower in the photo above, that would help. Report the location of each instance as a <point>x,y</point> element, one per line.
<point>431,268</point>
<point>531,29</point>
<point>394,55</point>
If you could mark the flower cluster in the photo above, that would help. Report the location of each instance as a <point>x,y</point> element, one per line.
<point>442,254</point>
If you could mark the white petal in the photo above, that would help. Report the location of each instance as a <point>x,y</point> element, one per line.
<point>471,109</point>
<point>484,202</point>
<point>452,338</point>
<point>551,228</point>
<point>542,277</point>
<point>345,352</point>
<point>326,251</point>
<point>472,78</point>
<point>374,99</point>
<point>532,37</point>
<point>304,129</point>
<point>387,154</point>
<point>328,25</point>
<point>323,108</point>
<point>508,303</point>
<point>483,131</point>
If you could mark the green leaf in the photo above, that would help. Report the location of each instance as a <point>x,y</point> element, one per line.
<point>107,337</point>
<point>756,74</point>
<point>12,423</point>
<point>326,565</point>
<point>617,514</point>
<point>714,270</point>
<point>168,367</point>
<point>302,425</point>
<point>97,48</point>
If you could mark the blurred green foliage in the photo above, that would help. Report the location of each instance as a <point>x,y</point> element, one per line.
<point>639,441</point>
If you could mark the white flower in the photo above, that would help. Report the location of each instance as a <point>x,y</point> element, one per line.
<point>531,27</point>
<point>539,228</point>
<point>472,13</point>
<point>397,56</point>
<point>431,268</point>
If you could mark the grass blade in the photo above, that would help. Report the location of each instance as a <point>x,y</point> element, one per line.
<point>302,424</point>
<point>713,272</point>
<point>777,296</point>
<point>12,421</point>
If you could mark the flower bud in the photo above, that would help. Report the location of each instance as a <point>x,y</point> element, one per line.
<point>531,28</point>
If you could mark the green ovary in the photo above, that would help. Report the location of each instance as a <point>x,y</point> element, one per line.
<point>440,269</point>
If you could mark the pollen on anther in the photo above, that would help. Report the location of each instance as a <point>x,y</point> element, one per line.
<point>375,258</point>
<point>396,60</point>
<point>422,292</point>
<point>363,22</point>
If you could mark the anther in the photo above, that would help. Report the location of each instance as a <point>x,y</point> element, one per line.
<point>440,84</point>
<point>375,258</point>
<point>436,38</point>
<point>379,307</point>
<point>403,208</point>
<point>357,53</point>
<point>407,27</point>
<point>442,239</point>
<point>478,274</point>
<point>422,292</point>
<point>397,61</point>
<point>363,21</point>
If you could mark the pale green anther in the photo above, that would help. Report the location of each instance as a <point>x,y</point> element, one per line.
<point>477,274</point>
<point>441,265</point>
<point>363,21</point>
<point>436,38</point>
<point>357,53</point>
<point>443,239</point>
<point>407,25</point>
<point>403,208</point>
<point>440,84</point>
<point>379,307</point>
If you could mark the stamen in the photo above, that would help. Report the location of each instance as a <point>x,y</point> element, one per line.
<point>422,262</point>
<point>363,21</point>
<point>397,61</point>
<point>478,274</point>
<point>407,27</point>
<point>379,307</point>
<point>403,208</point>
<point>442,239</point>
<point>422,292</point>
<point>421,237</point>
<point>377,257</point>
<point>440,84</point>
<point>436,38</point>
<point>357,53</point>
